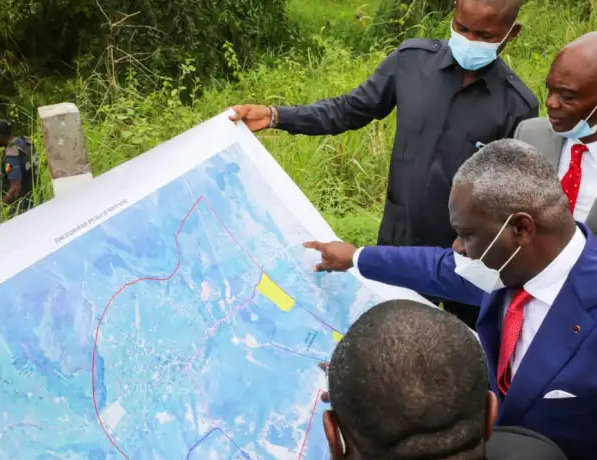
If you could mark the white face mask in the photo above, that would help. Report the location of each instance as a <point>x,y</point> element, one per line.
<point>477,273</point>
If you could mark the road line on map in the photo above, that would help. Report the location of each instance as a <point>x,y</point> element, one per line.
<point>279,347</point>
<point>213,329</point>
<point>283,348</point>
<point>208,434</point>
<point>252,259</point>
<point>168,278</point>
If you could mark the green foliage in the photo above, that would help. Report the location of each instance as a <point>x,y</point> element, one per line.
<point>348,21</point>
<point>153,36</point>
<point>344,176</point>
<point>395,20</point>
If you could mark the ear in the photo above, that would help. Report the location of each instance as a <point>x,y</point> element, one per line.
<point>511,36</point>
<point>491,410</point>
<point>332,433</point>
<point>524,228</point>
<point>514,32</point>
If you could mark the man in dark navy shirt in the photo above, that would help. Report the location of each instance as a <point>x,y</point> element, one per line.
<point>451,96</point>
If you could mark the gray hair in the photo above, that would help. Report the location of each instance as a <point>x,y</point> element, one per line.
<point>509,176</point>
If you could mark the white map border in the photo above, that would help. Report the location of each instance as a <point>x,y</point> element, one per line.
<point>36,234</point>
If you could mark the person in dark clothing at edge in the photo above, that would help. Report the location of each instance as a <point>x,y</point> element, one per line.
<point>409,382</point>
<point>19,170</point>
<point>451,96</point>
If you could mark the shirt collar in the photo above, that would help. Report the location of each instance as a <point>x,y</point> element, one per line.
<point>447,60</point>
<point>490,74</point>
<point>592,146</point>
<point>547,285</point>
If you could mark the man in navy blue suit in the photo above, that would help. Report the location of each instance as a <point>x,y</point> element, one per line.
<point>423,398</point>
<point>532,269</point>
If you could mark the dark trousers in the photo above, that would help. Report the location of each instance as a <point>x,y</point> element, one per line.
<point>468,314</point>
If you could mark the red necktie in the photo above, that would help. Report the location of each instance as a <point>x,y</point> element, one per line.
<point>571,181</point>
<point>510,334</point>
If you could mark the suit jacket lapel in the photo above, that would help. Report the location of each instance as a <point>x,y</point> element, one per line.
<point>538,133</point>
<point>553,149</point>
<point>591,220</point>
<point>488,328</point>
<point>557,334</point>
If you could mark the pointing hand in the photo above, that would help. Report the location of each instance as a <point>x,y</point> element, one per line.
<point>335,256</point>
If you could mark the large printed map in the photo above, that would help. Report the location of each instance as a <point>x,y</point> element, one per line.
<point>187,325</point>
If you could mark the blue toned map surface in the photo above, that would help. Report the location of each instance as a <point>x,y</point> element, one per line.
<point>186,327</point>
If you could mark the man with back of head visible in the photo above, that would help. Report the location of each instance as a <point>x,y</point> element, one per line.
<point>450,95</point>
<point>410,382</point>
<point>533,271</point>
<point>568,136</point>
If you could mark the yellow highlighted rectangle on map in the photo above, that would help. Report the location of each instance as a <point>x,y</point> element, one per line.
<point>275,293</point>
<point>337,336</point>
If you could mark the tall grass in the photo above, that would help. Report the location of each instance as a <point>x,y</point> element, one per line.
<point>344,176</point>
<point>346,20</point>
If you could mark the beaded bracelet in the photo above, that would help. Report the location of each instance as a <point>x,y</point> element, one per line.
<point>273,121</point>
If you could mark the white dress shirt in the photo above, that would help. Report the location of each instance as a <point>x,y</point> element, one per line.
<point>587,193</point>
<point>544,288</point>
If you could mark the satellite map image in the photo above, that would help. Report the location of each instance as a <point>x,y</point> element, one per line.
<point>188,326</point>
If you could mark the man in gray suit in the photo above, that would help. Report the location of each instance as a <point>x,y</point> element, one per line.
<point>568,136</point>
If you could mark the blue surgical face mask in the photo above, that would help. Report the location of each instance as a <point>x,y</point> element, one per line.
<point>581,130</point>
<point>473,55</point>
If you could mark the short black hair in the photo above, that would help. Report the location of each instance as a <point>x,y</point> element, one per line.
<point>409,381</point>
<point>509,8</point>
<point>5,128</point>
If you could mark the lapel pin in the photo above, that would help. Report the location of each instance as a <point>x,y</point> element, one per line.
<point>576,329</point>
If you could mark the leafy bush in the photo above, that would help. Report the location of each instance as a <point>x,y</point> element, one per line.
<point>155,36</point>
<point>397,19</point>
<point>344,176</point>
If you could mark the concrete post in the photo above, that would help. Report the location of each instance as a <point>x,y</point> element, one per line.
<point>65,147</point>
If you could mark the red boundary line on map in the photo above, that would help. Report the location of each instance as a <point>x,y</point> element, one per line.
<point>317,399</point>
<point>109,304</point>
<point>168,278</point>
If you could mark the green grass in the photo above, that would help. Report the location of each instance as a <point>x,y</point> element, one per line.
<point>346,20</point>
<point>344,176</point>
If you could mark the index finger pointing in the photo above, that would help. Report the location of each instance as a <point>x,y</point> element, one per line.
<point>314,245</point>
